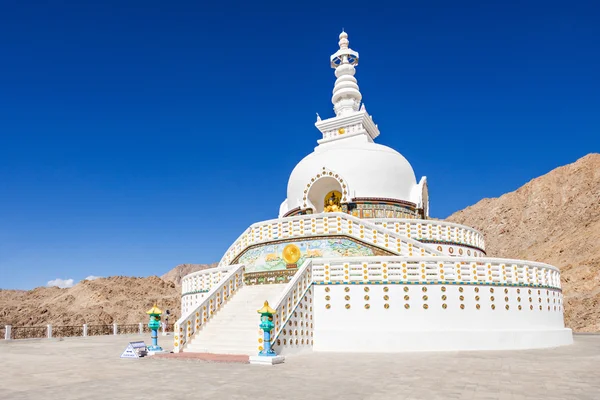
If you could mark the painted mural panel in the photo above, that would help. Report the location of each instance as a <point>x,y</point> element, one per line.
<point>268,257</point>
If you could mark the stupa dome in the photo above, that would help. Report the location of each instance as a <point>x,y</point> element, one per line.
<point>368,169</point>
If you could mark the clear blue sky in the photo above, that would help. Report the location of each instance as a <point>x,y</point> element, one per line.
<point>135,136</point>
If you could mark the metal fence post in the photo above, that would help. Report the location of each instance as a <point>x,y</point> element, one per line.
<point>115,329</point>
<point>141,328</point>
<point>49,328</point>
<point>85,330</point>
<point>7,332</point>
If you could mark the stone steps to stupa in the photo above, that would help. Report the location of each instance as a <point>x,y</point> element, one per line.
<point>235,328</point>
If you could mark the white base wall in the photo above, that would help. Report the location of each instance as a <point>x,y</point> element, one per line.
<point>436,317</point>
<point>377,341</point>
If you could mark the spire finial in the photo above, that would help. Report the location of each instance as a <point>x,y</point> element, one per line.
<point>346,96</point>
<point>344,42</point>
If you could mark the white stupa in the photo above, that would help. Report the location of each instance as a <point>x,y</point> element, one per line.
<point>348,148</point>
<point>354,264</point>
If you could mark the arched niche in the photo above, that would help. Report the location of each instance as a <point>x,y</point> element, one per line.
<point>322,185</point>
<point>320,190</point>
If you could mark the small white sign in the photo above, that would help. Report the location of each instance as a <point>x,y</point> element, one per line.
<point>135,350</point>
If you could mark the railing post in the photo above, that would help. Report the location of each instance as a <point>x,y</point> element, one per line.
<point>85,330</point>
<point>7,332</point>
<point>141,325</point>
<point>115,329</point>
<point>49,329</point>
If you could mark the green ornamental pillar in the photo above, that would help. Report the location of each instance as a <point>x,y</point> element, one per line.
<point>154,324</point>
<point>266,324</point>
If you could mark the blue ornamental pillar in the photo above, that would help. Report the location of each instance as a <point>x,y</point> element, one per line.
<point>266,324</point>
<point>154,324</point>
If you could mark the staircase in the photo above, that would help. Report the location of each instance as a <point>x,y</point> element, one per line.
<point>234,328</point>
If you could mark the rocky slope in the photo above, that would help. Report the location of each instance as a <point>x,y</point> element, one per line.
<point>554,219</point>
<point>182,270</point>
<point>119,299</point>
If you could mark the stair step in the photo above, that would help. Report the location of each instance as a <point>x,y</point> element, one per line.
<point>234,329</point>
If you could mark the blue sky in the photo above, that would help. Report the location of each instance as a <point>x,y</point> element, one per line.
<point>135,136</point>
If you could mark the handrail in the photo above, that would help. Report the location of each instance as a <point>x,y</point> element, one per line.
<point>291,296</point>
<point>474,270</point>
<point>425,229</point>
<point>203,280</point>
<point>188,324</point>
<point>207,271</point>
<point>326,224</point>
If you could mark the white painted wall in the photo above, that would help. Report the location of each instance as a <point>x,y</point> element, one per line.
<point>394,329</point>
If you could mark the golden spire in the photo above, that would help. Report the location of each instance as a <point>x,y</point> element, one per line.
<point>266,309</point>
<point>154,310</point>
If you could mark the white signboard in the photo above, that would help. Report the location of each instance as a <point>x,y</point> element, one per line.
<point>135,350</point>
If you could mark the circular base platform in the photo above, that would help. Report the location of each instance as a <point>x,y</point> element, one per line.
<point>374,341</point>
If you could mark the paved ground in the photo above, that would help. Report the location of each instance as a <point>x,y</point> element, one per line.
<point>90,368</point>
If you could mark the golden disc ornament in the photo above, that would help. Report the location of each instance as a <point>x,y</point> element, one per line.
<point>291,254</point>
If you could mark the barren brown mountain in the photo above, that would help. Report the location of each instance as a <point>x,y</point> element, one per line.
<point>123,300</point>
<point>119,299</point>
<point>553,219</point>
<point>182,270</point>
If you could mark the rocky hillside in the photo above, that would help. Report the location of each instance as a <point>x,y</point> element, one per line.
<point>554,219</point>
<point>117,299</point>
<point>182,270</point>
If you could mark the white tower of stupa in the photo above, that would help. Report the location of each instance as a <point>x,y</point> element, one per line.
<point>346,95</point>
<point>362,171</point>
<point>346,99</point>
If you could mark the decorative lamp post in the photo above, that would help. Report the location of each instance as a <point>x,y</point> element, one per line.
<point>154,324</point>
<point>266,324</point>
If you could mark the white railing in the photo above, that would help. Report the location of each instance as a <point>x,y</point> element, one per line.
<point>190,323</point>
<point>326,224</point>
<point>204,280</point>
<point>291,297</point>
<point>435,269</point>
<point>9,332</point>
<point>422,229</point>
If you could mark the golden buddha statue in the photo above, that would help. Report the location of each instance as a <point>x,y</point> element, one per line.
<point>333,204</point>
